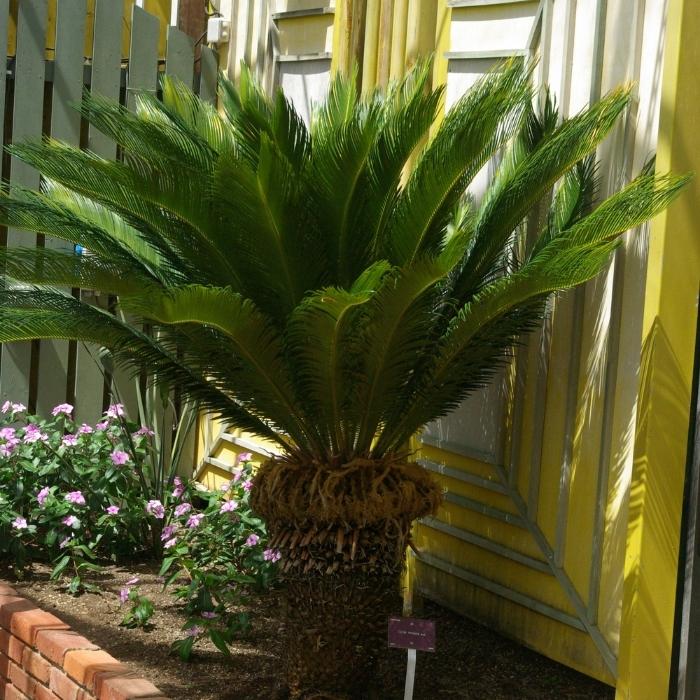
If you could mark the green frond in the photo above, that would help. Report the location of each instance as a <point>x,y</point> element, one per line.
<point>330,288</point>
<point>252,339</point>
<point>532,178</point>
<point>326,350</point>
<point>46,266</point>
<point>29,315</point>
<point>485,118</point>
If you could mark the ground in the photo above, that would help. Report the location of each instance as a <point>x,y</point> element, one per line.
<point>471,662</point>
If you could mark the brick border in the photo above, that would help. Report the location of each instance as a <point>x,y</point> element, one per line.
<point>41,658</point>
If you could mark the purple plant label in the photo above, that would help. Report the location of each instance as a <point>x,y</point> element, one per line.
<point>411,633</point>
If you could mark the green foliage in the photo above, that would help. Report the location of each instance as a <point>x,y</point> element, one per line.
<point>74,494</point>
<point>140,611</point>
<point>215,554</point>
<point>331,287</point>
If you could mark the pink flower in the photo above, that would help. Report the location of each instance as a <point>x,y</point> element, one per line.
<point>5,407</point>
<point>272,555</point>
<point>19,523</point>
<point>225,487</point>
<point>247,485</point>
<point>179,487</point>
<point>209,615</point>
<point>69,440</point>
<point>116,410</point>
<point>8,448</point>
<point>244,457</point>
<point>71,521</point>
<point>18,407</point>
<point>194,631</point>
<point>124,595</point>
<point>228,506</point>
<point>156,509</point>
<point>43,495</point>
<point>112,510</point>
<point>133,581</point>
<point>64,408</point>
<point>195,520</point>
<point>76,497</point>
<point>32,434</point>
<point>182,509</point>
<point>143,431</point>
<point>65,542</point>
<point>237,474</point>
<point>119,457</point>
<point>84,429</point>
<point>170,543</point>
<point>168,532</point>
<point>102,425</point>
<point>252,540</point>
<point>7,433</point>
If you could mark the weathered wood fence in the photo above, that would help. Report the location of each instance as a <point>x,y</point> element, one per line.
<point>38,95</point>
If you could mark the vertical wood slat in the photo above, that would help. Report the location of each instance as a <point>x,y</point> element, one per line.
<point>106,66</point>
<point>4,21</point>
<point>142,77</point>
<point>105,81</point>
<point>65,125</point>
<point>209,67</point>
<point>27,124</point>
<point>143,55</point>
<point>179,59</point>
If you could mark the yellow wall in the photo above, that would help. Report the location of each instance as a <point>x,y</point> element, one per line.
<point>618,628</point>
<point>665,384</point>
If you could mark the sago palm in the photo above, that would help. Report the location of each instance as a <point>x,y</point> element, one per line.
<point>331,289</point>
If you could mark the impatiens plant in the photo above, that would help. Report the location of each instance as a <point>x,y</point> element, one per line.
<point>215,554</point>
<point>140,607</point>
<point>328,288</point>
<point>75,494</point>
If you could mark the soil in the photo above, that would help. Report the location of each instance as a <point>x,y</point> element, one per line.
<point>471,661</point>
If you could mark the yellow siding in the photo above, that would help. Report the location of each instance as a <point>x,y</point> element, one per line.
<point>557,427</point>
<point>665,384</point>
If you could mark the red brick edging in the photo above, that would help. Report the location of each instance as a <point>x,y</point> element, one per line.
<point>42,658</point>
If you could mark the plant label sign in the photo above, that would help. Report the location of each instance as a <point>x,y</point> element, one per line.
<point>411,633</point>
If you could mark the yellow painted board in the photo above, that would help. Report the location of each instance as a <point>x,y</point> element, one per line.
<point>513,575</point>
<point>451,459</point>
<point>547,636</point>
<point>517,538</point>
<point>555,416</point>
<point>588,431</point>
<point>311,34</point>
<point>670,311</point>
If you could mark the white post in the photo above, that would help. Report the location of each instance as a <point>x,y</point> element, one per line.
<point>173,12</point>
<point>410,674</point>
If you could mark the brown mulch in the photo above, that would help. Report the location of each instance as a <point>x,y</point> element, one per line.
<point>471,662</point>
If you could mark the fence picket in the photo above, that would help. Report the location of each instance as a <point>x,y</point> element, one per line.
<point>209,73</point>
<point>105,81</point>
<point>179,60</point>
<point>143,55</point>
<point>27,124</point>
<point>4,21</point>
<point>142,77</point>
<point>42,379</point>
<point>65,125</point>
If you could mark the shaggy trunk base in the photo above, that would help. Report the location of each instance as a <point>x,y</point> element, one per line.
<point>336,633</point>
<point>342,533</point>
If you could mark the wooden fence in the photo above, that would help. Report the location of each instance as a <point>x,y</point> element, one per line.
<point>47,72</point>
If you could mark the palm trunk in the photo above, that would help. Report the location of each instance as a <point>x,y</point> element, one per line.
<point>342,534</point>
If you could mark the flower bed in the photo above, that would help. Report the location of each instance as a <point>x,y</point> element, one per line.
<point>42,658</point>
